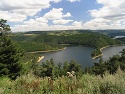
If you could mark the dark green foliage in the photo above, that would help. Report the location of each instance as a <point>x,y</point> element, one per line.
<point>96,52</point>
<point>121,39</point>
<point>110,65</point>
<point>99,68</point>
<point>88,39</point>
<point>74,66</point>
<point>10,55</point>
<point>34,46</point>
<point>120,33</point>
<point>4,27</point>
<point>30,63</point>
<point>50,69</point>
<point>41,42</point>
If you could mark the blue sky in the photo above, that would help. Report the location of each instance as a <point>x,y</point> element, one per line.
<point>30,15</point>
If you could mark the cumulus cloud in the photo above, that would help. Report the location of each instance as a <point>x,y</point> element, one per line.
<point>42,24</point>
<point>74,0</point>
<point>112,11</point>
<point>56,13</point>
<point>61,21</point>
<point>26,27</point>
<point>77,24</point>
<point>96,24</point>
<point>12,17</point>
<point>22,9</point>
<point>32,24</point>
<point>67,15</point>
<point>37,21</point>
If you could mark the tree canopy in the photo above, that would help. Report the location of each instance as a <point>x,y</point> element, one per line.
<point>4,27</point>
<point>10,54</point>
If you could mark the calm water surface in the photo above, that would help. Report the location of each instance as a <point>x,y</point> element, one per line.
<point>110,51</point>
<point>80,54</point>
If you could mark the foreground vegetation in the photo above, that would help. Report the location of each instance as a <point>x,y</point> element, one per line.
<point>87,84</point>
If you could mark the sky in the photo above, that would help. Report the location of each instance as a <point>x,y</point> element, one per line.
<point>41,15</point>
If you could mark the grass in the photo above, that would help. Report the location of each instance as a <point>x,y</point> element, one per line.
<point>87,84</point>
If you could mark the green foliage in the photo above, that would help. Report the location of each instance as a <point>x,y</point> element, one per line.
<point>4,28</point>
<point>10,56</point>
<point>50,69</point>
<point>29,62</point>
<point>87,84</point>
<point>41,42</point>
<point>96,52</point>
<point>110,65</point>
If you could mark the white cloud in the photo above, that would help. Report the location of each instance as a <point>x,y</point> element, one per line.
<point>96,24</point>
<point>62,27</point>
<point>12,17</point>
<point>56,13</point>
<point>56,1</point>
<point>37,21</point>
<point>32,27</point>
<point>32,24</point>
<point>42,24</point>
<point>61,21</point>
<point>111,12</point>
<point>74,0</point>
<point>77,24</point>
<point>67,15</point>
<point>22,9</point>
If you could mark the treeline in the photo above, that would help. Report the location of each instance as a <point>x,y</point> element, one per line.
<point>120,33</point>
<point>33,43</point>
<point>121,39</point>
<point>111,65</point>
<point>47,41</point>
<point>53,70</point>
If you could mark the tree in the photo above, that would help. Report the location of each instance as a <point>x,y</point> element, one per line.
<point>74,66</point>
<point>10,55</point>
<point>122,55</point>
<point>99,68</point>
<point>4,27</point>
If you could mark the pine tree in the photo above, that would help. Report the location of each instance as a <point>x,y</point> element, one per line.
<point>10,56</point>
<point>4,27</point>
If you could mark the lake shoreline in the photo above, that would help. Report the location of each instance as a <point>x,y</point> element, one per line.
<point>95,57</point>
<point>48,51</point>
<point>100,55</point>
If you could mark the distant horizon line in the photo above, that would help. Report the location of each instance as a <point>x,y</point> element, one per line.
<point>64,30</point>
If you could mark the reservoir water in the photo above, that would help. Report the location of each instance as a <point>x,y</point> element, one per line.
<point>80,54</point>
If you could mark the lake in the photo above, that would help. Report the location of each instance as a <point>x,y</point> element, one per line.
<point>80,54</point>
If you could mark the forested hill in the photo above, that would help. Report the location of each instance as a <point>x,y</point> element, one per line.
<point>88,39</point>
<point>48,41</point>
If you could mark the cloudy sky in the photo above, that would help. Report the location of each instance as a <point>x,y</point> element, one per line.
<point>30,15</point>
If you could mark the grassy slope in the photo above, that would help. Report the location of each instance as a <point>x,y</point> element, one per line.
<point>87,84</point>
